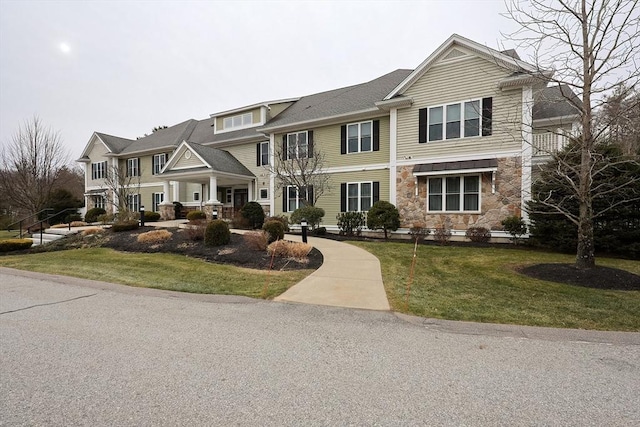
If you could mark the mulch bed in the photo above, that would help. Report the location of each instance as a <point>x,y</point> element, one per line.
<point>598,277</point>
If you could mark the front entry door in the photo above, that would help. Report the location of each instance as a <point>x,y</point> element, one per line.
<point>240,198</point>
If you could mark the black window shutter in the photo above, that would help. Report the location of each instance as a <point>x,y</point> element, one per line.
<point>343,197</point>
<point>310,146</point>
<point>310,194</point>
<point>376,135</point>
<point>285,196</point>
<point>285,155</point>
<point>422,126</point>
<point>343,139</point>
<point>487,115</point>
<point>376,191</point>
<point>258,156</point>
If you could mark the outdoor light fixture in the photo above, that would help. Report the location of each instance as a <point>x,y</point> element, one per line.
<point>303,224</point>
<point>141,216</point>
<point>215,214</point>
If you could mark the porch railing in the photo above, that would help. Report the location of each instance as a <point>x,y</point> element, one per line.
<point>547,143</point>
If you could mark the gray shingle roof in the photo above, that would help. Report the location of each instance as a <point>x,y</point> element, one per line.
<point>115,143</point>
<point>220,160</point>
<point>340,101</point>
<point>555,101</point>
<point>204,133</point>
<point>169,137</point>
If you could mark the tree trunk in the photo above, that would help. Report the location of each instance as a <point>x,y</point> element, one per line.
<point>585,255</point>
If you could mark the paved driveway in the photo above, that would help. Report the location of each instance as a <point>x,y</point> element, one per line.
<point>99,354</point>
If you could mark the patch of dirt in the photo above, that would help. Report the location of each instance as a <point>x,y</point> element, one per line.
<point>235,253</point>
<point>597,277</point>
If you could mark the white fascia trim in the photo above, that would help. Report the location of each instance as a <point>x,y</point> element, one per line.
<point>176,154</point>
<point>393,154</point>
<point>399,102</point>
<point>258,137</point>
<point>462,157</point>
<point>527,149</point>
<point>145,185</point>
<point>201,173</point>
<point>324,121</point>
<point>272,177</point>
<point>251,107</point>
<point>359,168</point>
<point>466,43</point>
<point>233,129</point>
<point>149,151</point>
<point>456,172</point>
<point>556,120</point>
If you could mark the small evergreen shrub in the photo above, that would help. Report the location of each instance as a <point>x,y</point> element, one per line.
<point>257,240</point>
<point>320,231</point>
<point>124,226</point>
<point>93,213</point>
<point>196,229</point>
<point>177,210</point>
<point>275,229</point>
<point>240,222</point>
<point>419,232</point>
<point>254,213</point>
<point>195,215</point>
<point>442,233</point>
<point>350,223</point>
<point>312,214</point>
<point>515,226</point>
<point>106,218</point>
<point>478,234</point>
<point>383,216</point>
<point>154,236</point>
<point>281,218</point>
<point>151,216</point>
<point>9,245</point>
<point>73,218</point>
<point>217,233</point>
<point>286,249</point>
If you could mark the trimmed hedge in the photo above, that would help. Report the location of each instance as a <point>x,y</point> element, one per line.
<point>93,214</point>
<point>217,233</point>
<point>478,234</point>
<point>9,245</point>
<point>275,229</point>
<point>151,216</point>
<point>124,226</point>
<point>195,215</point>
<point>254,213</point>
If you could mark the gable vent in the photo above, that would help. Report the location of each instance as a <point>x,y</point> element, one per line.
<point>455,53</point>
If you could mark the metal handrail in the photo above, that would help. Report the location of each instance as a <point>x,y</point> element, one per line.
<point>75,210</point>
<point>19,222</point>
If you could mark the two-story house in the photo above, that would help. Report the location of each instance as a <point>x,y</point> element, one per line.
<point>455,138</point>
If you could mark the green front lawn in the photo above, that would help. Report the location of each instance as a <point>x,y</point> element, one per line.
<point>160,271</point>
<point>481,285</point>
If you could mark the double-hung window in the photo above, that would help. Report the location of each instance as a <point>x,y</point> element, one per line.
<point>262,153</point>
<point>158,198</point>
<point>453,194</point>
<point>98,170</point>
<point>133,167</point>
<point>159,160</point>
<point>359,196</point>
<point>297,145</point>
<point>98,202</point>
<point>296,197</point>
<point>133,202</point>
<point>359,137</point>
<point>457,120</point>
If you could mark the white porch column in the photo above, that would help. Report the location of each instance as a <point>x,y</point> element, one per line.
<point>165,190</point>
<point>393,155</point>
<point>527,149</point>
<point>176,191</point>
<point>251,187</point>
<point>213,189</point>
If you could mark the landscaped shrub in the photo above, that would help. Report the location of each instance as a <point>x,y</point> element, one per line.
<point>419,232</point>
<point>286,249</point>
<point>350,223</point>
<point>217,233</point>
<point>515,226</point>
<point>76,217</point>
<point>60,226</point>
<point>312,214</point>
<point>9,245</point>
<point>383,216</point>
<point>177,210</point>
<point>93,213</point>
<point>78,224</point>
<point>151,216</point>
<point>281,218</point>
<point>154,236</point>
<point>92,230</point>
<point>196,229</point>
<point>275,229</point>
<point>442,233</point>
<point>124,226</point>
<point>320,231</point>
<point>257,240</point>
<point>478,234</point>
<point>254,213</point>
<point>240,222</point>
<point>106,218</point>
<point>195,215</point>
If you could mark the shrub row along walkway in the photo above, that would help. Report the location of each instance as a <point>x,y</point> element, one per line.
<point>349,277</point>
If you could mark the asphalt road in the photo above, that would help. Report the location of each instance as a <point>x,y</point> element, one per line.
<point>74,352</point>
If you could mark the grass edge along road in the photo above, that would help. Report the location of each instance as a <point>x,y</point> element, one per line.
<point>160,271</point>
<point>482,285</point>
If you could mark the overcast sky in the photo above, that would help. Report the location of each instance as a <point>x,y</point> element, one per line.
<point>123,67</point>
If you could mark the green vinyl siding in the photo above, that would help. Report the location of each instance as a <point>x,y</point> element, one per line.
<point>460,81</point>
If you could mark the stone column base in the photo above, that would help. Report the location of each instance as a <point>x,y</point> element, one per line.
<point>167,212</point>
<point>210,207</point>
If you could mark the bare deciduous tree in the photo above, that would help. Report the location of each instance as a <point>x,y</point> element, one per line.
<point>30,166</point>
<point>594,48</point>
<point>119,186</point>
<point>301,168</point>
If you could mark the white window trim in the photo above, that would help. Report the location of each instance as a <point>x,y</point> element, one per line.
<point>360,150</point>
<point>194,195</point>
<point>99,171</point>
<point>444,189</point>
<point>262,153</point>
<point>136,161</point>
<point>462,120</point>
<point>260,193</point>
<point>134,201</point>
<point>154,163</point>
<point>298,200</point>
<point>243,125</point>
<point>156,203</point>
<point>297,144</point>
<point>99,202</point>
<point>359,183</point>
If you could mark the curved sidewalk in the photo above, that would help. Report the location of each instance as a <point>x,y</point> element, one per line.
<point>349,277</point>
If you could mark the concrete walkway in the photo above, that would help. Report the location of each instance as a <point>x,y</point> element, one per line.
<point>349,277</point>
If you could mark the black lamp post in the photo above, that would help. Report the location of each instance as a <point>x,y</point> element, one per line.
<point>303,224</point>
<point>141,216</point>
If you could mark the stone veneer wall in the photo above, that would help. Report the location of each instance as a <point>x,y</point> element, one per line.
<point>494,207</point>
